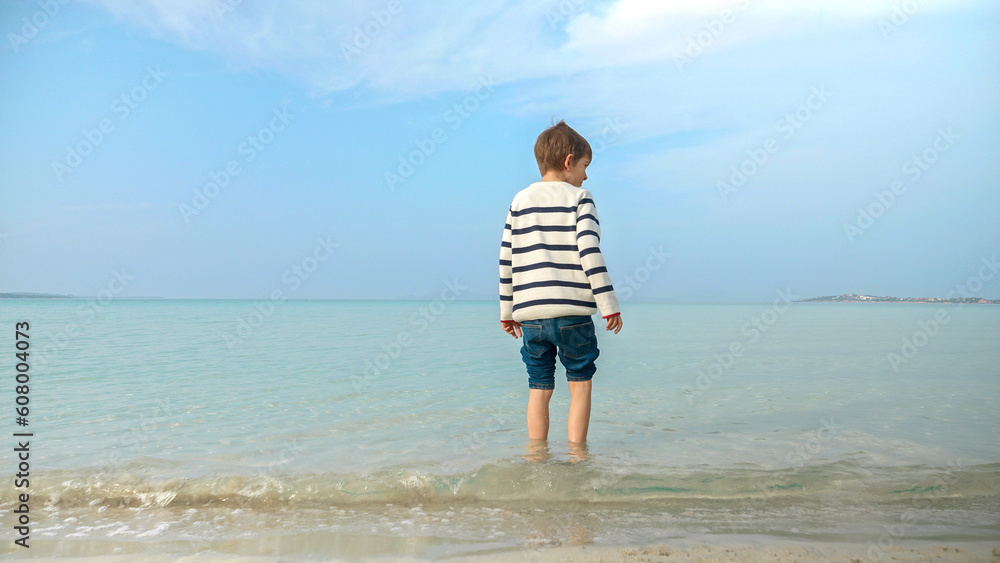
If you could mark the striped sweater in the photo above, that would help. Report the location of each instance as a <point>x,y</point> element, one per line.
<point>550,257</point>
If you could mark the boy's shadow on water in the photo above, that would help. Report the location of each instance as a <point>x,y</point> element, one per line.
<point>550,527</point>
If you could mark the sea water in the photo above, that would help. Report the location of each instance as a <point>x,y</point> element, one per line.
<point>348,428</point>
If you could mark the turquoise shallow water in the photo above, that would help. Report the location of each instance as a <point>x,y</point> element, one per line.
<point>167,424</point>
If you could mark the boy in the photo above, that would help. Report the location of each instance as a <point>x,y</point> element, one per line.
<point>553,278</point>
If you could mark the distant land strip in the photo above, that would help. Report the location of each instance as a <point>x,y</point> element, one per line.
<point>57,296</point>
<point>855,298</point>
<point>845,298</point>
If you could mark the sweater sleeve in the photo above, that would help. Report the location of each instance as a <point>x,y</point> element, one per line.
<point>588,242</point>
<point>506,276</point>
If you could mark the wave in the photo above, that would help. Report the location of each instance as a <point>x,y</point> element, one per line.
<point>536,484</point>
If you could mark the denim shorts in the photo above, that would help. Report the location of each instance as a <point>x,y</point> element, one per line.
<point>576,341</point>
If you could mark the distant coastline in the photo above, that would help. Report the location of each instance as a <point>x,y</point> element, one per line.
<point>855,298</point>
<point>57,296</point>
<point>845,298</point>
<point>34,296</point>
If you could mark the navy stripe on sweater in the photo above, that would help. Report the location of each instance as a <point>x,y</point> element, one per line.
<point>528,210</point>
<point>538,265</point>
<point>534,228</point>
<point>554,302</point>
<point>543,246</point>
<point>552,283</point>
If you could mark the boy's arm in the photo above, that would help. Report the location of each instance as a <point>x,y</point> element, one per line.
<point>506,276</point>
<point>588,242</point>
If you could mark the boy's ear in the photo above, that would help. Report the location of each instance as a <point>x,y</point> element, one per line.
<point>568,163</point>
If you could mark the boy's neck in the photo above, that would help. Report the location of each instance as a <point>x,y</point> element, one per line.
<point>553,176</point>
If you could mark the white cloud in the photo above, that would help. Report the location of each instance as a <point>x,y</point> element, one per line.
<point>613,60</point>
<point>433,47</point>
<point>331,46</point>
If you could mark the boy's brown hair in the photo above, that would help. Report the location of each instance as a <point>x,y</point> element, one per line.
<point>555,143</point>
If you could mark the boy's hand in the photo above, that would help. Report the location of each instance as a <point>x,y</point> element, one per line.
<point>614,323</point>
<point>512,328</point>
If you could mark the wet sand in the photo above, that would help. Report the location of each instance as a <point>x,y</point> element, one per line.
<point>741,549</point>
<point>783,553</point>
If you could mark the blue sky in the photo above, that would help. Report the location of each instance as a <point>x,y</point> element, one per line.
<point>311,104</point>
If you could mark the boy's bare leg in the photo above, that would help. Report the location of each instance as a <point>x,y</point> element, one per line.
<point>537,450</point>
<point>578,451</point>
<point>579,410</point>
<point>538,413</point>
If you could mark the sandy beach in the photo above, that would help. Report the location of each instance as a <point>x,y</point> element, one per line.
<point>739,550</point>
<point>747,552</point>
